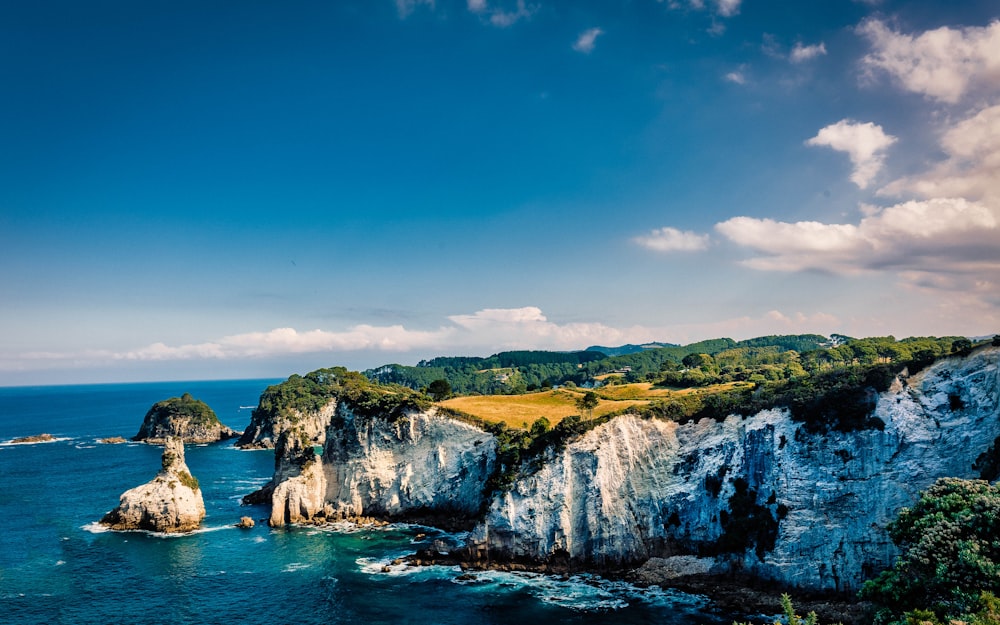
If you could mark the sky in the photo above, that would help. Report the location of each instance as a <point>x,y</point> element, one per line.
<point>209,189</point>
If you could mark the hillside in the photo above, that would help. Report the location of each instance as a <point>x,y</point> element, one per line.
<point>524,371</point>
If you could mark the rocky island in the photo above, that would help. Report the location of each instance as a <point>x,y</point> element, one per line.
<point>171,502</point>
<point>183,417</point>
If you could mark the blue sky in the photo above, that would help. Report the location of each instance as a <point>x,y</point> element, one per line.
<point>242,189</point>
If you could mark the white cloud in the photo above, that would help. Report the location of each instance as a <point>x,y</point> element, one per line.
<point>500,17</point>
<point>485,331</point>
<point>801,53</point>
<point>938,236</point>
<point>405,7</point>
<point>972,167</point>
<point>736,76</point>
<point>587,39</point>
<point>503,19</point>
<point>725,8</point>
<point>865,143</point>
<point>673,240</point>
<point>728,8</point>
<point>942,64</point>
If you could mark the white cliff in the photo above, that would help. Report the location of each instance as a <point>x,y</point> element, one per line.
<point>267,426</point>
<point>298,487</point>
<point>762,495</point>
<point>635,488</point>
<point>418,464</point>
<point>171,502</point>
<point>421,463</point>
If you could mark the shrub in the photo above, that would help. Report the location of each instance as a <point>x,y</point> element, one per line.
<point>950,554</point>
<point>188,480</point>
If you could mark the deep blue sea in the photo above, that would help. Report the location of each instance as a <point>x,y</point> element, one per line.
<point>58,566</point>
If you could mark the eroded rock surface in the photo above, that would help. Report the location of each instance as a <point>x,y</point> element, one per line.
<point>170,502</point>
<point>760,495</point>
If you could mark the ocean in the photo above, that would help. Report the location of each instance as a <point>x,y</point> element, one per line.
<point>58,566</point>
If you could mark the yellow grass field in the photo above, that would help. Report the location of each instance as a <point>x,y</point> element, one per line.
<point>519,411</point>
<point>522,410</point>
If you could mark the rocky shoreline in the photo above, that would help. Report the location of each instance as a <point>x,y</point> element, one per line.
<point>735,594</point>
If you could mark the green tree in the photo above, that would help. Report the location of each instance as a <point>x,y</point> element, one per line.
<point>961,346</point>
<point>439,389</point>
<point>587,402</point>
<point>949,553</point>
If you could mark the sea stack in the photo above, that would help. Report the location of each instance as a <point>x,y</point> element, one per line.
<point>184,417</point>
<point>171,502</point>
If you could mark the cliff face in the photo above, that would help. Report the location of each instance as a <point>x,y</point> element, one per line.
<point>762,495</point>
<point>298,488</point>
<point>419,465</point>
<point>171,502</point>
<point>758,495</point>
<point>266,426</point>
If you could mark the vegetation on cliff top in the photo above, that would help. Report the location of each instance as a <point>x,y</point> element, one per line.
<point>299,395</point>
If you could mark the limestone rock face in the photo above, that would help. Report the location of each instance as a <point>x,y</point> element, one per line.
<point>297,489</point>
<point>171,502</point>
<point>185,418</point>
<point>762,495</point>
<point>419,463</point>
<point>267,426</point>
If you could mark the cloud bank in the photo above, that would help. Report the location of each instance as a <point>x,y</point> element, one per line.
<point>484,332</point>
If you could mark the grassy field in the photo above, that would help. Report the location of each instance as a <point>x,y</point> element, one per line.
<point>520,411</point>
<point>523,410</point>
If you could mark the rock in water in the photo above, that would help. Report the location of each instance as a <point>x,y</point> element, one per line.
<point>171,502</point>
<point>35,438</point>
<point>245,523</point>
<point>183,417</point>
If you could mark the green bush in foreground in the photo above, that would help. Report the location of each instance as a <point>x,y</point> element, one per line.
<point>949,565</point>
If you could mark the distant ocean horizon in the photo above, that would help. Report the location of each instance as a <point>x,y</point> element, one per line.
<point>57,565</point>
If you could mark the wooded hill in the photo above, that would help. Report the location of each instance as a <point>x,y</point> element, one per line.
<point>762,359</point>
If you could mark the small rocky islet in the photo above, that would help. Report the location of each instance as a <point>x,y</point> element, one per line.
<point>171,502</point>
<point>185,418</point>
<point>34,438</point>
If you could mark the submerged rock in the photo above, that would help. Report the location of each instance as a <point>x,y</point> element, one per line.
<point>171,502</point>
<point>183,417</point>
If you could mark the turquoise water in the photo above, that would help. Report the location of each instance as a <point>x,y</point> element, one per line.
<point>58,566</point>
